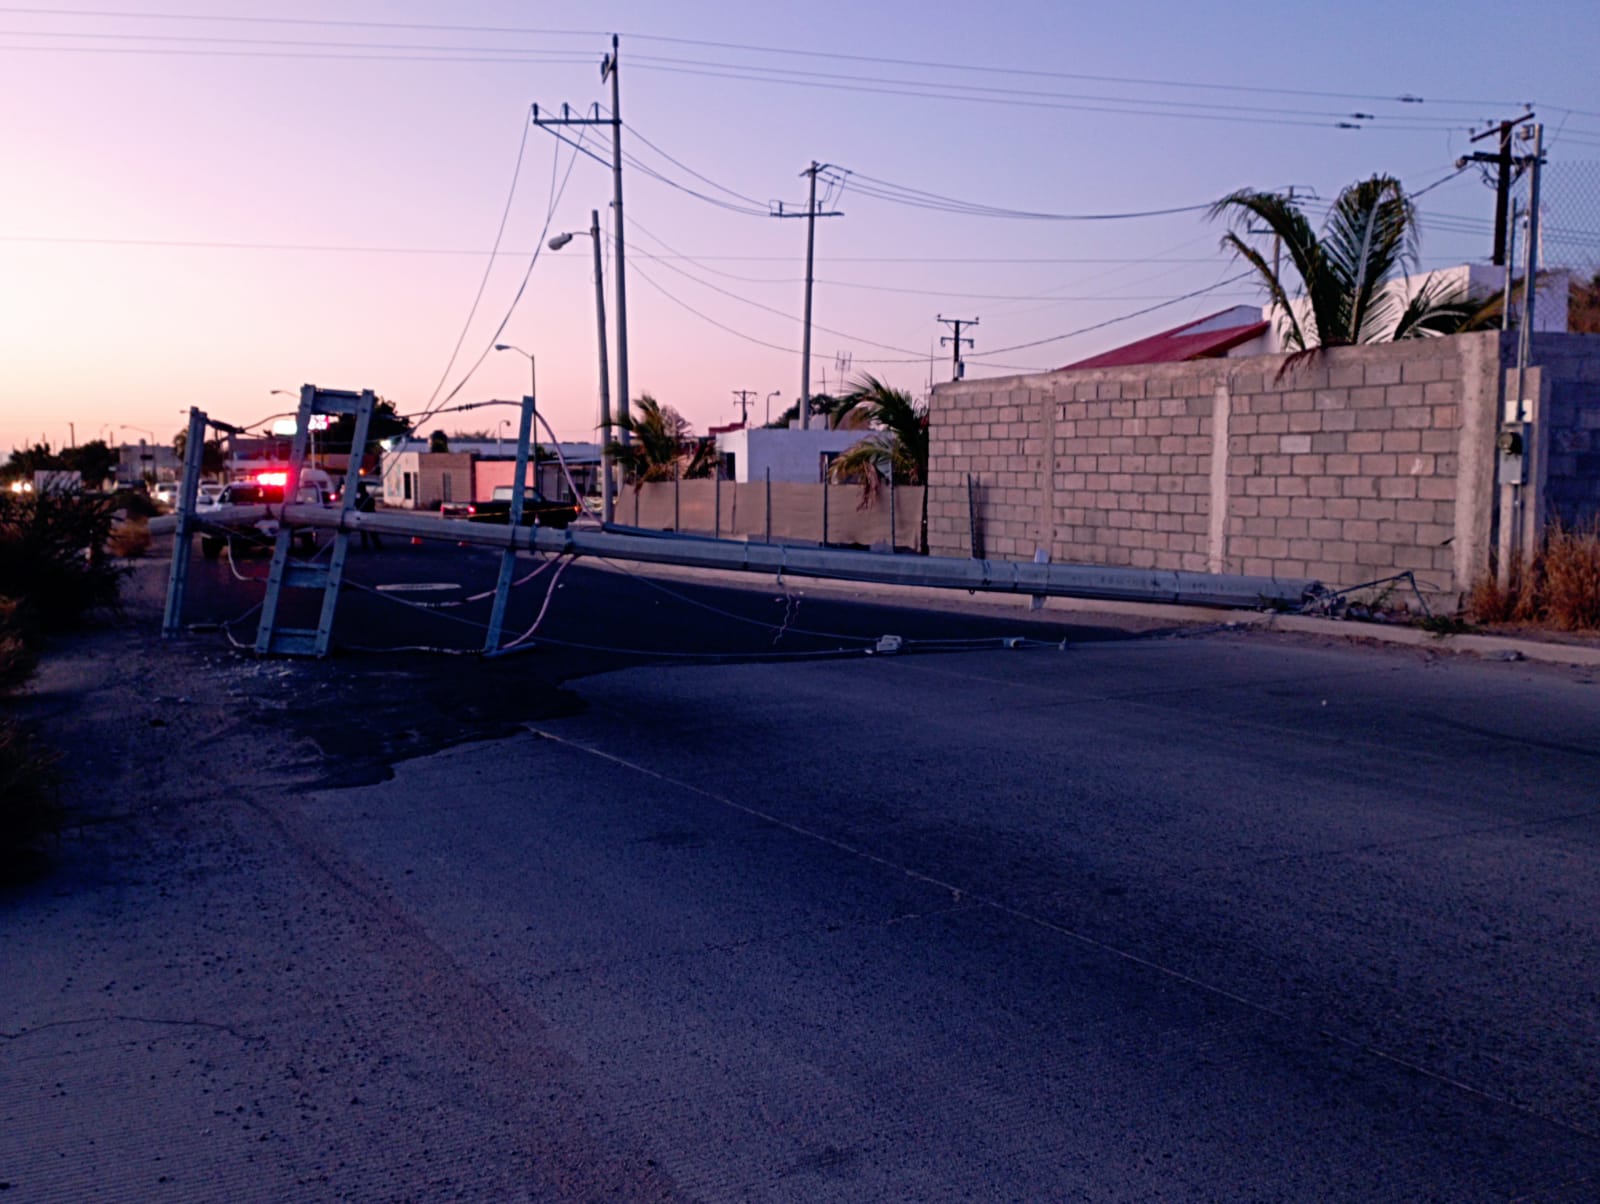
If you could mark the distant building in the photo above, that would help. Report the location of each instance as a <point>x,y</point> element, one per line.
<point>789,453</point>
<point>415,478</point>
<point>143,461</point>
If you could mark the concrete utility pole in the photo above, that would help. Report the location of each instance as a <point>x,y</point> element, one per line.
<point>1520,420</point>
<point>957,368</point>
<point>811,215</point>
<point>608,70</point>
<point>744,396</point>
<point>1503,162</point>
<point>609,67</point>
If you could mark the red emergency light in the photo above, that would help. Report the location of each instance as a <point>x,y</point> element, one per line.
<point>272,478</point>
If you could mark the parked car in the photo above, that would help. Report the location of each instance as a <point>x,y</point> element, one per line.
<point>537,510</point>
<point>165,492</point>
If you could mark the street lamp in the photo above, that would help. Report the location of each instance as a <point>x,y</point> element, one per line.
<point>533,396</point>
<point>770,396</point>
<point>555,244</point>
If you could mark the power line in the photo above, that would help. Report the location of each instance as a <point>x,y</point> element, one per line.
<point>556,194</point>
<point>488,268</point>
<point>1154,106</point>
<point>701,260</point>
<point>1138,313</point>
<point>921,198</point>
<point>837,56</point>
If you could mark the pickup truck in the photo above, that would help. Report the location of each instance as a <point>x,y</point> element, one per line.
<point>537,510</point>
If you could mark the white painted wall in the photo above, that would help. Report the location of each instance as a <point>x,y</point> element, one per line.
<point>791,453</point>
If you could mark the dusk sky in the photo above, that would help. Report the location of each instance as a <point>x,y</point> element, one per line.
<point>202,206</point>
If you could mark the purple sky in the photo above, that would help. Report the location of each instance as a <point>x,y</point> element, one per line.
<point>357,175</point>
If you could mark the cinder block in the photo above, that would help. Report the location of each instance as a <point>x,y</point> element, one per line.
<point>1305,549</point>
<point>1325,487</point>
<point>1401,442</point>
<point>1293,445</point>
<point>1423,370</point>
<point>1368,399</point>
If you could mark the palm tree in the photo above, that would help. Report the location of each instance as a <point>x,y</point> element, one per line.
<point>1368,242</point>
<point>656,452</point>
<point>897,447</point>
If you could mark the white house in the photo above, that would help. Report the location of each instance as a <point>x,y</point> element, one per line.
<point>788,453</point>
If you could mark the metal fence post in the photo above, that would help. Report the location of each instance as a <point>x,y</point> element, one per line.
<point>824,511</point>
<point>716,506</point>
<point>892,540</point>
<point>769,505</point>
<point>677,477</point>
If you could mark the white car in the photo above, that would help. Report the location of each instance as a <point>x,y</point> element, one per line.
<point>166,493</point>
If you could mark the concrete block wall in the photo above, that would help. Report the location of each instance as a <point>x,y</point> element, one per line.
<point>1570,366</point>
<point>1355,464</point>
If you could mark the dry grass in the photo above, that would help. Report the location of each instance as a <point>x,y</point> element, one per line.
<point>1560,589</point>
<point>130,538</point>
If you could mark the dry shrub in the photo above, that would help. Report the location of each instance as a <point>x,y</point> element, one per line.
<point>130,538</point>
<point>1561,588</point>
<point>1572,577</point>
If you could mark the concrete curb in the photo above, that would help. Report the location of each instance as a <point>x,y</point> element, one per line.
<point>1488,646</point>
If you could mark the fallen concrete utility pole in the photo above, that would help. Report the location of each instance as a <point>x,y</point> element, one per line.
<point>990,576</point>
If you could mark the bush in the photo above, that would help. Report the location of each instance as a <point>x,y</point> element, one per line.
<point>52,556</point>
<point>1560,588</point>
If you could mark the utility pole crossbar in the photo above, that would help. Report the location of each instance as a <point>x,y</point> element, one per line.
<point>957,368</point>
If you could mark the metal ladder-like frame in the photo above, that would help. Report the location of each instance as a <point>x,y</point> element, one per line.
<point>287,573</point>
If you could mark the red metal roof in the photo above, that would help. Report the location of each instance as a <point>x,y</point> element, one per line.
<point>1204,338</point>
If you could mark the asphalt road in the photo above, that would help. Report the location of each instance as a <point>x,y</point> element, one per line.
<point>1103,916</point>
